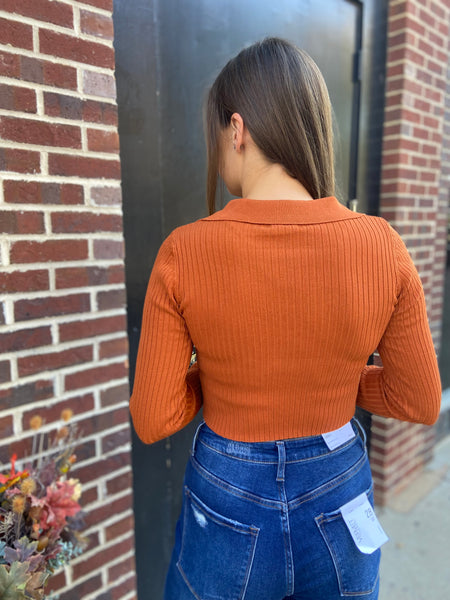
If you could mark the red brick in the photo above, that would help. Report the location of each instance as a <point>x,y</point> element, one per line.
<point>26,394</point>
<point>23,339</point>
<point>422,105</point>
<point>5,371</point>
<point>124,588</point>
<point>60,105</point>
<point>47,72</point>
<point>430,150</point>
<point>93,471</point>
<point>52,413</point>
<point>90,496</point>
<point>115,395</point>
<point>35,192</point>
<point>111,299</point>
<point>95,111</point>
<point>103,557</point>
<point>95,376</point>
<point>428,176</point>
<point>88,276</point>
<point>85,222</point>
<point>88,586</point>
<point>25,310</point>
<point>108,249</point>
<point>71,107</point>
<point>17,98</point>
<point>118,438</point>
<point>103,141</point>
<point>91,328</point>
<point>37,132</point>
<point>400,39</point>
<point>112,348</point>
<point>421,133</point>
<point>438,10</point>
<point>73,48</point>
<point>6,427</point>
<point>83,166</point>
<point>431,122</point>
<point>437,39</point>
<point>427,18</point>
<point>49,251</point>
<point>399,173</point>
<point>19,222</point>
<point>407,22</point>
<point>9,64</point>
<point>119,483</point>
<point>419,161</point>
<point>19,161</point>
<point>105,4</point>
<point>24,281</point>
<point>395,70</point>
<point>435,67</point>
<point>16,34</point>
<point>95,24</point>
<point>101,422</point>
<point>43,10</point>
<point>127,566</point>
<point>55,582</point>
<point>401,144</point>
<point>58,75</point>
<point>36,363</point>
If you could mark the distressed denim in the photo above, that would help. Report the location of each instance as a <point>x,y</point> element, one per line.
<point>261,521</point>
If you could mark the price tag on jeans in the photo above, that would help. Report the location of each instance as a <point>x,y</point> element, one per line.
<point>334,439</point>
<point>363,524</point>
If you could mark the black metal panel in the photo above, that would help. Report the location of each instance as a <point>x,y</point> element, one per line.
<point>167,53</point>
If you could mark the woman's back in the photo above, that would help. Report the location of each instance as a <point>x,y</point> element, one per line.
<point>285,300</point>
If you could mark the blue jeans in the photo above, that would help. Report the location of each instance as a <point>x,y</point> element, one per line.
<point>261,521</point>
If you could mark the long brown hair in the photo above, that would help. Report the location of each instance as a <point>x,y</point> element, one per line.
<point>283,100</point>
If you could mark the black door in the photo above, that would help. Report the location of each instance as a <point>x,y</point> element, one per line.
<point>167,53</point>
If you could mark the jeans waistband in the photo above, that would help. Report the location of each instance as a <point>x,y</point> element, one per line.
<point>291,449</point>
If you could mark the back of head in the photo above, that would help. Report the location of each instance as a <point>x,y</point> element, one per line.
<point>283,100</point>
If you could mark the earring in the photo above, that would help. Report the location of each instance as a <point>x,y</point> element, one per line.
<point>234,146</point>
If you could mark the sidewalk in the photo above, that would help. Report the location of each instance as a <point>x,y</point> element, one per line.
<point>415,563</point>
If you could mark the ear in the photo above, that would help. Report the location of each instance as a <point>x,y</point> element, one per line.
<point>237,126</point>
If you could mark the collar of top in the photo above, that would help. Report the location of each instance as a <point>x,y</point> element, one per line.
<point>247,210</point>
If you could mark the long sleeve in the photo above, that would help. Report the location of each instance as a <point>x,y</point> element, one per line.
<point>408,385</point>
<point>166,394</point>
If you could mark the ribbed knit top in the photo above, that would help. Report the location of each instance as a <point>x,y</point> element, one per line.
<point>285,301</point>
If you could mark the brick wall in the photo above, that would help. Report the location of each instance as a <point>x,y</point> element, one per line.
<point>416,80</point>
<point>62,314</point>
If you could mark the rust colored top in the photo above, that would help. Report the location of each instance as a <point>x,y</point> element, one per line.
<point>285,301</point>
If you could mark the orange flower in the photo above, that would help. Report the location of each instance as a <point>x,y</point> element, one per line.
<point>66,414</point>
<point>18,505</point>
<point>36,422</point>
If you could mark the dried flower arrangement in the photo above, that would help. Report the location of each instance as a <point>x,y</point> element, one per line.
<point>40,517</point>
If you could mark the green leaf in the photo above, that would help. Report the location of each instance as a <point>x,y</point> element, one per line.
<point>13,581</point>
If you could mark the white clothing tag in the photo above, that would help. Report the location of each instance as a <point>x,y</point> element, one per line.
<point>363,524</point>
<point>334,439</point>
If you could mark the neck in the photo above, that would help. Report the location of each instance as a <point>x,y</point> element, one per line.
<point>269,181</point>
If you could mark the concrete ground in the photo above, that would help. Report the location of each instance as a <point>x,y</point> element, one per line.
<point>415,563</point>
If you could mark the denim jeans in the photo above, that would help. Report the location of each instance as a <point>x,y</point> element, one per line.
<point>261,521</point>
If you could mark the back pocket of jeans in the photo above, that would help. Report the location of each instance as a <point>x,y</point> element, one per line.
<point>216,553</point>
<point>357,573</point>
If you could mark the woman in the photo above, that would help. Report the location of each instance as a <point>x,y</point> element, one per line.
<point>285,294</point>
